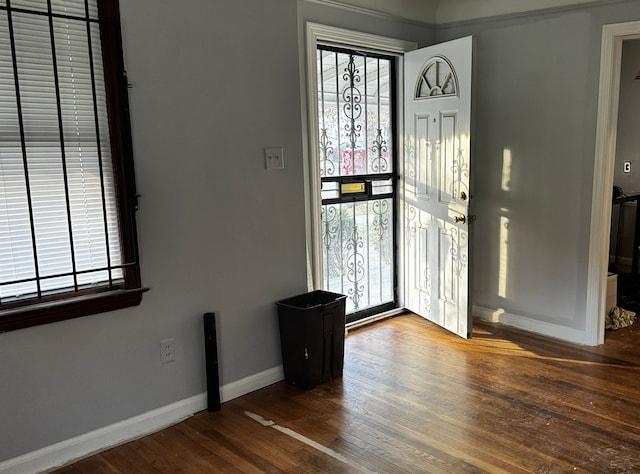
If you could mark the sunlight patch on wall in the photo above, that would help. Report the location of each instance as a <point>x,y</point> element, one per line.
<point>506,169</point>
<point>504,256</point>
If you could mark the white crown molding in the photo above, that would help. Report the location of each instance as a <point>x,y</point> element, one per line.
<point>451,13</point>
<point>452,19</point>
<point>397,16</point>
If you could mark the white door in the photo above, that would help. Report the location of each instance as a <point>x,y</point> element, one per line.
<point>437,88</point>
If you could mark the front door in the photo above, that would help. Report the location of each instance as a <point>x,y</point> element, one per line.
<point>358,177</point>
<point>436,196</point>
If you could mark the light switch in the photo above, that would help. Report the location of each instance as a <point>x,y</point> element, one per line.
<point>626,167</point>
<point>273,158</point>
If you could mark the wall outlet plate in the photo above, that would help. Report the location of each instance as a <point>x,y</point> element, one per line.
<point>274,158</point>
<point>626,167</point>
<point>167,351</point>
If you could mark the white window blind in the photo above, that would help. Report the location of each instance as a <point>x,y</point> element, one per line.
<point>58,211</point>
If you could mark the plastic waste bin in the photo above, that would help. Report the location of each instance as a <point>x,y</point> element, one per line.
<point>312,327</point>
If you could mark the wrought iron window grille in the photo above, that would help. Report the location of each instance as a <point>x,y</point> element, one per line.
<point>67,188</point>
<point>358,177</point>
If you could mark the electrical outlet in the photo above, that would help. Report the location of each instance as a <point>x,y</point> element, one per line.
<point>626,167</point>
<point>167,351</point>
<point>273,158</point>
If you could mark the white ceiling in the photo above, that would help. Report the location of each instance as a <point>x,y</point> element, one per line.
<point>451,11</point>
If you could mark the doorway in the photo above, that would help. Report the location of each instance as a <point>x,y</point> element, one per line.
<point>348,192</point>
<point>359,181</point>
<point>624,250</point>
<point>350,171</point>
<point>613,37</point>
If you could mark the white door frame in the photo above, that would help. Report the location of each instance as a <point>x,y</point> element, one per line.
<point>316,33</point>
<point>606,130</point>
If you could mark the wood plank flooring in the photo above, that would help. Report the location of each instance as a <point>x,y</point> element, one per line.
<point>415,398</point>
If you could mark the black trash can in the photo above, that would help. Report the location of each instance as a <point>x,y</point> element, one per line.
<point>312,327</point>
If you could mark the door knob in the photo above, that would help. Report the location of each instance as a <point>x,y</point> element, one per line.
<point>462,196</point>
<point>461,219</point>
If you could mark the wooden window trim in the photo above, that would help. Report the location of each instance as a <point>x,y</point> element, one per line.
<point>61,310</point>
<point>27,313</point>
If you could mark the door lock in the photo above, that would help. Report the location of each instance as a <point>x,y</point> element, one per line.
<point>461,219</point>
<point>462,196</point>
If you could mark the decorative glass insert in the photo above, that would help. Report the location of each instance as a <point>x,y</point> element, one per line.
<point>438,78</point>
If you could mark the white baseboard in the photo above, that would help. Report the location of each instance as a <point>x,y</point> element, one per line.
<point>251,384</point>
<point>81,446</point>
<point>527,324</point>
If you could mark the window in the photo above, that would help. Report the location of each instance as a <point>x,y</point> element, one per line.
<point>67,191</point>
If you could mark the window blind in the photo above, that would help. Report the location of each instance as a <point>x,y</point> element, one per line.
<point>58,210</point>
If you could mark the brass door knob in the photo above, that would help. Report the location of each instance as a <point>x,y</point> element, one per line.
<point>462,196</point>
<point>461,219</point>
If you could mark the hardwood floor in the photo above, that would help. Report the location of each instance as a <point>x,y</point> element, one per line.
<point>414,398</point>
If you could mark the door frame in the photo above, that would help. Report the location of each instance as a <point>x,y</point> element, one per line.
<point>315,34</point>
<point>613,36</point>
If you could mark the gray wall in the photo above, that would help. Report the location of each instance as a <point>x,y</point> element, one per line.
<point>213,83</point>
<point>537,93</point>
<point>627,146</point>
<point>216,81</point>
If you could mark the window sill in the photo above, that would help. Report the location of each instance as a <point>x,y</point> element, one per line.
<point>61,310</point>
